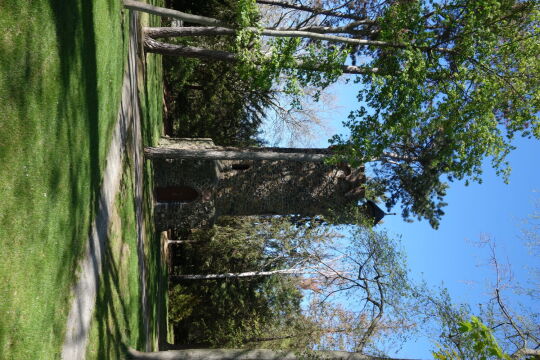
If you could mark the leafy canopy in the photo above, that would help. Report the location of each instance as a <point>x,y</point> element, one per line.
<point>462,84</point>
<point>483,344</point>
<point>445,85</point>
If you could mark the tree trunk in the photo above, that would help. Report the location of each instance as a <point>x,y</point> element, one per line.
<point>162,48</point>
<point>165,32</point>
<point>179,242</point>
<point>244,354</point>
<point>230,153</point>
<point>156,10</point>
<point>346,29</point>
<point>273,338</point>
<point>241,275</point>
<point>151,9</point>
<point>194,87</point>
<point>173,31</point>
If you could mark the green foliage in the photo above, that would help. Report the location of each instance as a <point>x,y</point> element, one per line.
<point>299,73</point>
<point>61,71</point>
<point>247,13</point>
<point>212,99</point>
<point>237,312</point>
<point>181,303</point>
<point>282,64</point>
<point>440,113</point>
<point>247,44</point>
<point>484,344</point>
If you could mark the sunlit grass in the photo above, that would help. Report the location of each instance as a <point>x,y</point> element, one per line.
<point>117,321</point>
<point>61,68</point>
<point>117,318</point>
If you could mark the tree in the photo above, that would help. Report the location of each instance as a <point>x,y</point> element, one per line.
<point>233,311</point>
<point>235,354</point>
<point>373,276</point>
<point>369,271</point>
<point>235,153</point>
<point>518,330</point>
<point>247,274</point>
<point>445,85</point>
<point>504,327</point>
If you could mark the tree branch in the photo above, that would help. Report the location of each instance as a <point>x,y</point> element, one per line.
<point>526,352</point>
<point>156,10</point>
<point>317,11</point>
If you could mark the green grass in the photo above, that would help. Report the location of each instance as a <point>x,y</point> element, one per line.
<point>61,69</point>
<point>117,317</point>
<point>117,320</point>
<point>151,100</point>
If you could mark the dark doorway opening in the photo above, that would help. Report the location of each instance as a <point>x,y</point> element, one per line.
<point>183,194</point>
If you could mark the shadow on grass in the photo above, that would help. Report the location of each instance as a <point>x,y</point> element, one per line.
<point>77,54</point>
<point>112,312</point>
<point>151,126</point>
<point>116,327</point>
<point>118,317</point>
<point>58,73</point>
<point>71,46</point>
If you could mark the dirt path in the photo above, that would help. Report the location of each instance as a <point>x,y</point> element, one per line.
<point>85,290</point>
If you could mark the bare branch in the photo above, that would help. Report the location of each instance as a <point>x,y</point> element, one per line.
<point>316,11</point>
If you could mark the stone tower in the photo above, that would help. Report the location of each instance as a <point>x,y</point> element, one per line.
<point>193,193</point>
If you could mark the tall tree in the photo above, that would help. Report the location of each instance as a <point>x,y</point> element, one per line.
<point>367,268</point>
<point>445,85</point>
<point>232,311</point>
<point>241,354</point>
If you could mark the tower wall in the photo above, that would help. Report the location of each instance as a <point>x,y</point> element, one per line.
<point>247,187</point>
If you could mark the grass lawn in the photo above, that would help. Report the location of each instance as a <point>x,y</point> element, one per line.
<point>151,101</point>
<point>61,70</point>
<point>117,319</point>
<point>117,314</point>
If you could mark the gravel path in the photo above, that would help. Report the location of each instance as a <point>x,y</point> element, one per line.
<point>84,291</point>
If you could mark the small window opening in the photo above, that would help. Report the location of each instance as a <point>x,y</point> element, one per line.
<point>240,166</point>
<point>183,194</point>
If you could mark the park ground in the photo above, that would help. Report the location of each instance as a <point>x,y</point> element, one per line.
<point>61,72</point>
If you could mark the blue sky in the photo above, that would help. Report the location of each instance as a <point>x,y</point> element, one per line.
<point>447,256</point>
